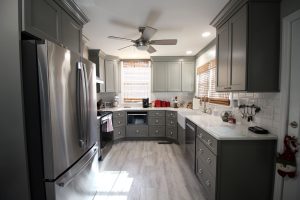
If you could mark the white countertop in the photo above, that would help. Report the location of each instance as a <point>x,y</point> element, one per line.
<point>141,108</point>
<point>211,124</point>
<point>226,131</point>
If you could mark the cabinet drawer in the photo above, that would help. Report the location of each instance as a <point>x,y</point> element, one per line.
<point>208,140</point>
<point>171,132</point>
<point>157,121</point>
<point>172,114</point>
<point>171,121</point>
<point>157,131</point>
<point>207,181</point>
<point>119,132</point>
<point>157,113</point>
<point>119,114</point>
<point>207,157</point>
<point>136,131</point>
<point>119,121</point>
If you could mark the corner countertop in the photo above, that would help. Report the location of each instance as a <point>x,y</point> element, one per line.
<point>225,131</point>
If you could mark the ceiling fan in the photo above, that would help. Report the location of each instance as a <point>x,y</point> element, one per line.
<point>144,43</point>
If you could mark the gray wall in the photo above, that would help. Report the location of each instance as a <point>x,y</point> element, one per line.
<point>289,6</point>
<point>13,167</point>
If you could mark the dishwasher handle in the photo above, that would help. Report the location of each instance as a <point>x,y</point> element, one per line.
<point>190,126</point>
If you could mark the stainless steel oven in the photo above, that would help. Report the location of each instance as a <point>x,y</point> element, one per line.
<point>106,133</point>
<point>137,118</point>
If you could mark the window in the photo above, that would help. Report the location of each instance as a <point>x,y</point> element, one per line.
<point>206,80</point>
<point>136,80</point>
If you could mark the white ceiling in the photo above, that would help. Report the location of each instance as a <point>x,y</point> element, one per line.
<point>184,20</point>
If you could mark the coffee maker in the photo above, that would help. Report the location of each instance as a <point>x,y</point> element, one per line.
<point>146,103</point>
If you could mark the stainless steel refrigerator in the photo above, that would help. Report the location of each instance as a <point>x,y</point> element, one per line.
<point>59,91</point>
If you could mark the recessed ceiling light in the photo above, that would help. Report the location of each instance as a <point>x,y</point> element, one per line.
<point>206,34</point>
<point>189,52</point>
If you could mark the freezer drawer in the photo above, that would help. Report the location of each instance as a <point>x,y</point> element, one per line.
<point>79,182</point>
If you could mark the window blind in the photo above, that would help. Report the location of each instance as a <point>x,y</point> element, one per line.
<point>136,80</point>
<point>206,81</point>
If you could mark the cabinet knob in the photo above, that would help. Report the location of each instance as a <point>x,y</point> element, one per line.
<point>156,113</point>
<point>208,160</point>
<point>156,121</point>
<point>201,151</point>
<point>119,122</point>
<point>137,131</point>
<point>200,171</point>
<point>201,135</point>
<point>209,142</point>
<point>156,131</point>
<point>172,122</point>
<point>119,133</point>
<point>171,133</point>
<point>119,114</point>
<point>207,182</point>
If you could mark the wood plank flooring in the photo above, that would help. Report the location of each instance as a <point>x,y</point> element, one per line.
<point>146,170</point>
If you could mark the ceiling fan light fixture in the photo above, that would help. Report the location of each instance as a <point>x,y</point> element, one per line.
<point>142,47</point>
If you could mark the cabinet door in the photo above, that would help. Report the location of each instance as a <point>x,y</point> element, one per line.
<point>102,74</point>
<point>174,77</point>
<point>238,33</point>
<point>117,74</point>
<point>70,33</point>
<point>223,50</point>
<point>42,19</point>
<point>188,76</point>
<point>109,76</point>
<point>159,76</point>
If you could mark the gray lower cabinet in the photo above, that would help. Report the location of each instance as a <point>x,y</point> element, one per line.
<point>119,132</point>
<point>137,131</point>
<point>171,125</point>
<point>181,137</point>
<point>119,124</point>
<point>235,169</point>
<point>156,113</point>
<point>157,131</point>
<point>156,121</point>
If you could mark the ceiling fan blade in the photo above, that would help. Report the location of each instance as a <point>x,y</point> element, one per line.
<point>151,49</point>
<point>148,32</point>
<point>164,42</point>
<point>123,24</point>
<point>119,38</point>
<point>125,47</point>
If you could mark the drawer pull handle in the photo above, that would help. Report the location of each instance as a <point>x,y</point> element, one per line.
<point>200,171</point>
<point>207,182</point>
<point>208,160</point>
<point>171,133</point>
<point>172,122</point>
<point>157,113</point>
<point>119,122</point>
<point>156,121</point>
<point>119,114</point>
<point>137,131</point>
<point>201,135</point>
<point>227,88</point>
<point>119,132</point>
<point>156,131</point>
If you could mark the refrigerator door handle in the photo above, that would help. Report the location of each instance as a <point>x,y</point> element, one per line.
<point>85,161</point>
<point>86,103</point>
<point>80,91</point>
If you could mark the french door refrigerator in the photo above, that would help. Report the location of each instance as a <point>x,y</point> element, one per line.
<point>59,92</point>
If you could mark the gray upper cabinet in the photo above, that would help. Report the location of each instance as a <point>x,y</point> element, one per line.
<point>248,40</point>
<point>188,76</point>
<point>97,56</point>
<point>42,18</point>
<point>55,20</point>
<point>159,76</point>
<point>70,33</point>
<point>174,76</point>
<point>109,76</point>
<point>222,57</point>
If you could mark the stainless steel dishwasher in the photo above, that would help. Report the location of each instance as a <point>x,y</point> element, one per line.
<point>190,144</point>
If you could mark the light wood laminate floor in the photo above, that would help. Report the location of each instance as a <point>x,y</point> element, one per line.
<point>146,170</point>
